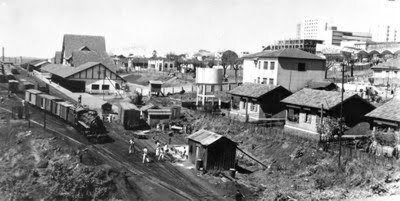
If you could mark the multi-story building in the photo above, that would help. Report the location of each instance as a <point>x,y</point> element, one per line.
<point>385,33</point>
<point>308,45</point>
<point>291,68</point>
<point>335,37</point>
<point>312,28</point>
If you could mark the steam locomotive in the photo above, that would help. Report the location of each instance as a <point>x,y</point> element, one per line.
<point>86,121</point>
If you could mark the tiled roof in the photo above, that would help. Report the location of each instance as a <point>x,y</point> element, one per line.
<point>82,57</point>
<point>388,111</point>
<point>75,42</point>
<point>315,98</point>
<point>57,57</point>
<point>284,53</point>
<point>66,71</point>
<point>204,137</point>
<point>319,84</point>
<point>391,64</point>
<point>252,90</point>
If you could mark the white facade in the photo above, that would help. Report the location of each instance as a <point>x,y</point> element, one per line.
<point>385,33</point>
<point>312,28</point>
<point>160,64</point>
<point>386,73</point>
<point>270,71</point>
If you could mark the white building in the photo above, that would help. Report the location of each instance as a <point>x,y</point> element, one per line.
<point>160,64</point>
<point>385,33</point>
<point>387,70</point>
<point>312,28</point>
<point>290,68</point>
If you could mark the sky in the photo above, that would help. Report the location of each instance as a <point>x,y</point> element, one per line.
<point>36,27</point>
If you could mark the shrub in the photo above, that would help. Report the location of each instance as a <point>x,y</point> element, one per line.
<point>386,138</point>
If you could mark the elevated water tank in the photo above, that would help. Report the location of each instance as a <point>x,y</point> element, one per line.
<point>209,76</point>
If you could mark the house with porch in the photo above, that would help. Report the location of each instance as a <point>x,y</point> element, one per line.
<point>257,102</point>
<point>386,117</point>
<point>307,108</point>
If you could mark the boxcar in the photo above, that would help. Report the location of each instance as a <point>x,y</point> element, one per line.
<point>63,109</point>
<point>46,102</point>
<point>129,115</point>
<point>13,86</point>
<point>55,105</point>
<point>71,115</point>
<point>31,96</point>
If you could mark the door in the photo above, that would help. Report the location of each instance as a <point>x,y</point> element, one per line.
<point>197,152</point>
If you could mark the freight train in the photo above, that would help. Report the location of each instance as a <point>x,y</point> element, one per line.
<point>86,121</point>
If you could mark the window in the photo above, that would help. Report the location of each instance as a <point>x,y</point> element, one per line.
<point>301,67</point>
<point>95,87</point>
<point>253,107</point>
<point>171,65</point>
<point>258,80</point>
<point>293,115</point>
<point>259,64</point>
<point>271,81</point>
<point>105,87</point>
<point>266,65</point>
<point>272,66</point>
<point>243,105</point>
<point>264,81</point>
<point>308,118</point>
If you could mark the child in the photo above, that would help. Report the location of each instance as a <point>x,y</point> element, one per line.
<point>145,155</point>
<point>131,146</point>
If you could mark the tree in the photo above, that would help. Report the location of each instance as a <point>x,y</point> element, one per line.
<point>331,60</point>
<point>236,67</point>
<point>154,54</point>
<point>348,57</point>
<point>136,98</point>
<point>229,58</point>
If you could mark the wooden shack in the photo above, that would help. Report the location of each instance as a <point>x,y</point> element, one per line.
<point>214,151</point>
<point>155,87</point>
<point>13,86</point>
<point>129,115</point>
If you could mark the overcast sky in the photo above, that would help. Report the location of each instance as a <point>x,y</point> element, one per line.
<point>36,27</point>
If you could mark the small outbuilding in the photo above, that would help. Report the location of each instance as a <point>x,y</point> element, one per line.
<point>155,116</point>
<point>129,115</point>
<point>213,151</point>
<point>155,87</point>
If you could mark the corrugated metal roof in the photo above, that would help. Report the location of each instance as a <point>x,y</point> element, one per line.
<point>204,137</point>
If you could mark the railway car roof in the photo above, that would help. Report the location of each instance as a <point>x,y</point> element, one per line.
<point>50,97</point>
<point>34,91</point>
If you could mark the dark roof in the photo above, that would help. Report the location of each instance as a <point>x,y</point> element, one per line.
<point>388,111</point>
<point>76,42</point>
<point>57,57</point>
<point>320,84</point>
<point>205,137</point>
<point>315,98</point>
<point>82,57</point>
<point>252,90</point>
<point>391,64</point>
<point>284,53</point>
<point>128,106</point>
<point>66,71</point>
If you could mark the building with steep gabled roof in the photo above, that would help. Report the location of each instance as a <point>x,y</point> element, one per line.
<point>386,116</point>
<point>307,108</point>
<point>291,68</point>
<point>257,102</point>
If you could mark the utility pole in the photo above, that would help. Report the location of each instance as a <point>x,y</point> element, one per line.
<point>2,65</point>
<point>44,120</point>
<point>341,116</point>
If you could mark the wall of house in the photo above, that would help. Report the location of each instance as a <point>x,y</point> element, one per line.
<point>161,65</point>
<point>354,111</point>
<point>257,73</point>
<point>292,79</point>
<point>378,73</point>
<point>192,151</point>
<point>220,155</point>
<point>91,88</point>
<point>303,124</point>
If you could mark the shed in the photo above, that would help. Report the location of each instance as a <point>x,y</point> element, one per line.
<point>216,152</point>
<point>155,86</point>
<point>154,116</point>
<point>13,86</point>
<point>129,115</point>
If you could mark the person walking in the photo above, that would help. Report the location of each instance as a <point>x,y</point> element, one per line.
<point>145,155</point>
<point>161,156</point>
<point>131,146</point>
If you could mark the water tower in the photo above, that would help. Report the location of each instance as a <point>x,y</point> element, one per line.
<point>207,77</point>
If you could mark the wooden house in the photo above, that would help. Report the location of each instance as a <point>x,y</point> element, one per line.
<point>386,117</point>
<point>216,152</point>
<point>257,102</point>
<point>155,116</point>
<point>307,108</point>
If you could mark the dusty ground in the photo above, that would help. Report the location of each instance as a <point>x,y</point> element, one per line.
<point>144,77</point>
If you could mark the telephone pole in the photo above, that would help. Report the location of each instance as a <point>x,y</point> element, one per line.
<point>341,116</point>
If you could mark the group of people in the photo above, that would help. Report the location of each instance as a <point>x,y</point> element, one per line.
<point>160,151</point>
